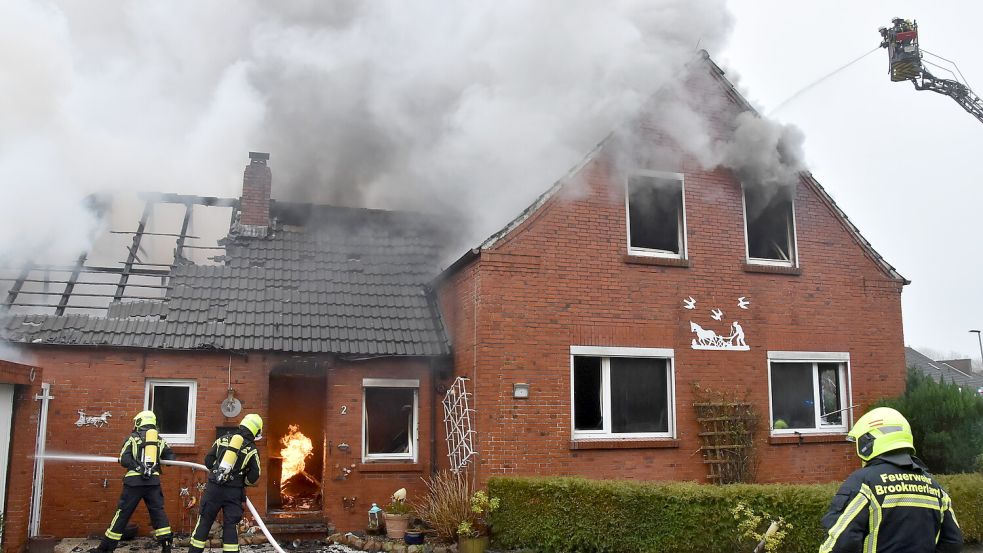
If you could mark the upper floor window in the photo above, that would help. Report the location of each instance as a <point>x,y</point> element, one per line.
<point>656,214</point>
<point>622,392</point>
<point>389,418</point>
<point>809,392</point>
<point>173,401</point>
<point>769,224</point>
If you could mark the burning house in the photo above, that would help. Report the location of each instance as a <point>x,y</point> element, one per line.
<point>580,328</point>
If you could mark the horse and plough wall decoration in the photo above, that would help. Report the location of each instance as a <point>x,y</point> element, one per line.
<point>707,338</point>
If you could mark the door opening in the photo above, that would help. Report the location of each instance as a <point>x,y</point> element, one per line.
<point>296,440</point>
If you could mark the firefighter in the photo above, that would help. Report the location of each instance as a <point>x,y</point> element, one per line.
<point>141,455</point>
<point>892,504</point>
<point>234,463</point>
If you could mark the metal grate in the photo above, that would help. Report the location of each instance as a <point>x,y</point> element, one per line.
<point>457,423</point>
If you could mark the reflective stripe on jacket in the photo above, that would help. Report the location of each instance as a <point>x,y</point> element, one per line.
<point>893,505</point>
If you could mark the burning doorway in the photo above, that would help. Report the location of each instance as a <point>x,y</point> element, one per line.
<point>296,446</point>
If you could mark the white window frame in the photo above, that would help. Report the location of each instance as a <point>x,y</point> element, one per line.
<point>606,353</point>
<point>794,262</point>
<point>815,357</point>
<point>683,243</point>
<point>192,385</point>
<point>412,455</point>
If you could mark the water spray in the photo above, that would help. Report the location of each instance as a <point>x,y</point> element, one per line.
<point>192,466</point>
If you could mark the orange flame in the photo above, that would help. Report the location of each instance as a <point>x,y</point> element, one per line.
<point>297,447</point>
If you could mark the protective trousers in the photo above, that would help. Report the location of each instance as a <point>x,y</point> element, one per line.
<point>227,499</point>
<point>128,501</point>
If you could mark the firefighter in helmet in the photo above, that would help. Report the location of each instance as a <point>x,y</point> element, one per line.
<point>234,463</point>
<point>141,455</point>
<point>892,504</point>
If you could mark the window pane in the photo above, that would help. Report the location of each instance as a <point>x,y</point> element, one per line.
<point>793,401</point>
<point>654,208</point>
<point>388,419</point>
<point>769,225</point>
<point>829,393</point>
<point>170,404</point>
<point>639,395</point>
<point>587,394</point>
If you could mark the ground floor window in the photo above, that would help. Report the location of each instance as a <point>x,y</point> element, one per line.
<point>389,418</point>
<point>622,392</point>
<point>173,401</point>
<point>809,392</point>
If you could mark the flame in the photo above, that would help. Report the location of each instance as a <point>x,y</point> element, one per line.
<point>297,447</point>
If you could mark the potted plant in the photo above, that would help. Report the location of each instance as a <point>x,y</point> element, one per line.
<point>397,515</point>
<point>472,533</point>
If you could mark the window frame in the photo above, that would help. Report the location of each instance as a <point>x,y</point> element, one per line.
<point>606,353</point>
<point>192,385</point>
<point>814,357</point>
<point>414,437</point>
<point>683,242</point>
<point>794,262</point>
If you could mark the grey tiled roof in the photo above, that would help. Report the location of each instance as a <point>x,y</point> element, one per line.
<point>328,280</point>
<point>938,370</point>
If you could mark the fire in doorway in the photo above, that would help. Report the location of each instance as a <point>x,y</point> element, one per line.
<point>299,490</point>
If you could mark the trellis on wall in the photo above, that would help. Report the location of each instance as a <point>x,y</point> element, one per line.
<point>457,423</point>
<point>727,440</point>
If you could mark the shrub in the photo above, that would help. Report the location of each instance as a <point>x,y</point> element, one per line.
<point>572,515</point>
<point>482,507</point>
<point>947,423</point>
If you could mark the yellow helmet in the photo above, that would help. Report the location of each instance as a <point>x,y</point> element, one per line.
<point>253,423</point>
<point>143,418</point>
<point>879,431</point>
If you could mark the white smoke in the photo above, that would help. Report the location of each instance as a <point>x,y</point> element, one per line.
<point>474,107</point>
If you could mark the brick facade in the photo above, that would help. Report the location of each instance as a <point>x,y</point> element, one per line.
<point>562,278</point>
<point>80,498</point>
<point>23,439</point>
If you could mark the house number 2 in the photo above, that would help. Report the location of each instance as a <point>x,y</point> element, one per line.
<point>344,409</point>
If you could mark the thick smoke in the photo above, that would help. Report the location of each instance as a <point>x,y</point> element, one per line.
<point>473,107</point>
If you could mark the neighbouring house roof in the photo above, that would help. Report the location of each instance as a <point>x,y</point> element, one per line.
<point>731,92</point>
<point>939,370</point>
<point>335,280</point>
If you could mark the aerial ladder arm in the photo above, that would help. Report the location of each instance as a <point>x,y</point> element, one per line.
<point>956,90</point>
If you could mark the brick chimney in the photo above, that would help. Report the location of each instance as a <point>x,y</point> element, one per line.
<point>254,206</point>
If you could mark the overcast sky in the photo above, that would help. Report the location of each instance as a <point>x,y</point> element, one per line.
<point>364,102</point>
<point>904,165</point>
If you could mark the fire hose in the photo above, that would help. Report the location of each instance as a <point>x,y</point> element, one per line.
<point>192,466</point>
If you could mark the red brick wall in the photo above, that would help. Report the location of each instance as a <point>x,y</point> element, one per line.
<point>22,443</point>
<point>561,279</point>
<point>80,498</point>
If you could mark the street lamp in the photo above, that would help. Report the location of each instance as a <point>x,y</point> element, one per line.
<point>980,340</point>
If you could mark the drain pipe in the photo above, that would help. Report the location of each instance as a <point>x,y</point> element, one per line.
<point>192,466</point>
<point>34,518</point>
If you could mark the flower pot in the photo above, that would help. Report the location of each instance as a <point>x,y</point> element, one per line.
<point>472,545</point>
<point>396,525</point>
<point>413,537</point>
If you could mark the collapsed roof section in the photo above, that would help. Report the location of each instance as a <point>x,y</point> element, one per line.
<point>306,279</point>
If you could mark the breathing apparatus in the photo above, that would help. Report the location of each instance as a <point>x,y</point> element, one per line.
<point>254,425</point>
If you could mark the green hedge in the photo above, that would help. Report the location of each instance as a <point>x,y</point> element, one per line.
<point>568,515</point>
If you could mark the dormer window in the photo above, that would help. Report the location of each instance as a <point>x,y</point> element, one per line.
<point>769,225</point>
<point>656,214</point>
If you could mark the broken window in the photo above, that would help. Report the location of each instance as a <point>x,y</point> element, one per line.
<point>807,395</point>
<point>389,419</point>
<point>618,396</point>
<point>769,225</point>
<point>656,220</point>
<point>173,402</point>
